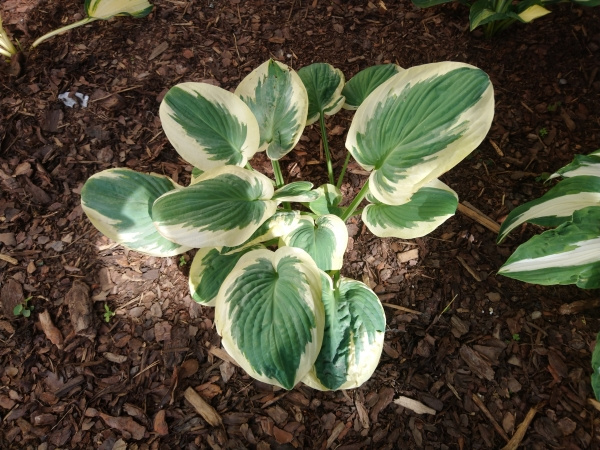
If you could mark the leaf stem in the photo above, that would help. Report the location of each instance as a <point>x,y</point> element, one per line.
<point>344,167</point>
<point>359,198</point>
<point>326,147</point>
<point>79,23</point>
<point>279,182</point>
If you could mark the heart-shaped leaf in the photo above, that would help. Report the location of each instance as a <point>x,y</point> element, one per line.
<point>324,85</point>
<point>360,86</point>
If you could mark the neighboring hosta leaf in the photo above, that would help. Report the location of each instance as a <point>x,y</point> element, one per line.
<point>324,85</point>
<point>223,208</point>
<point>530,12</point>
<point>210,268</point>
<point>278,99</point>
<point>596,368</point>
<point>324,239</point>
<point>581,165</point>
<point>328,201</point>
<point>568,254</point>
<point>298,191</point>
<point>270,315</point>
<point>279,224</point>
<point>364,82</point>
<point>483,11</point>
<point>418,125</point>
<point>353,338</point>
<point>209,126</point>
<point>118,202</point>
<point>556,206</point>
<point>196,174</point>
<point>105,9</point>
<point>427,209</point>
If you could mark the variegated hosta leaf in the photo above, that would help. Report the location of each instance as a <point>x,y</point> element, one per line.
<point>324,85</point>
<point>105,9</point>
<point>324,239</point>
<point>353,339</point>
<point>118,203</point>
<point>328,201</point>
<point>279,224</point>
<point>223,208</point>
<point>581,165</point>
<point>568,254</point>
<point>418,125</point>
<point>298,191</point>
<point>484,11</point>
<point>278,99</point>
<point>210,268</point>
<point>427,209</point>
<point>596,368</point>
<point>535,11</point>
<point>209,126</point>
<point>364,82</point>
<point>556,206</point>
<point>270,315</point>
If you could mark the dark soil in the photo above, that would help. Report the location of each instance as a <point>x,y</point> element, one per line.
<point>479,350</point>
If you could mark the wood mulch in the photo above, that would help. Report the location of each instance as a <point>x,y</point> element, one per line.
<point>471,359</point>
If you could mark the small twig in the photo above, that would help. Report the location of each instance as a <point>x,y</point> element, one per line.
<point>466,266</point>
<point>401,308</point>
<point>155,363</point>
<point>522,429</point>
<point>470,211</point>
<point>487,414</point>
<point>117,92</point>
<point>9,259</point>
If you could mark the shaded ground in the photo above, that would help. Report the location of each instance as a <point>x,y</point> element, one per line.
<point>474,347</point>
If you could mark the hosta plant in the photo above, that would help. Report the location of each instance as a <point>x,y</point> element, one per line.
<point>271,254</point>
<point>570,252</point>
<point>103,10</point>
<point>6,46</point>
<point>497,15</point>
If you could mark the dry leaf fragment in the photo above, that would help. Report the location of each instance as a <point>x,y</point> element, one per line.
<point>207,412</point>
<point>51,332</point>
<point>125,424</point>
<point>80,308</point>
<point>414,405</point>
<point>112,357</point>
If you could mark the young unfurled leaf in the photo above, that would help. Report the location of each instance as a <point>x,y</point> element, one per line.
<point>353,337</point>
<point>324,85</point>
<point>418,125</point>
<point>427,209</point>
<point>210,268</point>
<point>223,208</point>
<point>298,191</point>
<point>568,254</point>
<point>103,10</point>
<point>556,206</point>
<point>209,126</point>
<point>118,203</point>
<point>324,239</point>
<point>278,99</point>
<point>358,88</point>
<point>270,315</point>
<point>328,201</point>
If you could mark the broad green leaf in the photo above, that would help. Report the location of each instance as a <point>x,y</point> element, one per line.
<point>298,191</point>
<point>209,126</point>
<point>418,125</point>
<point>270,315</point>
<point>223,208</point>
<point>364,82</point>
<point>556,206</point>
<point>568,254</point>
<point>328,201</point>
<point>278,99</point>
<point>324,239</point>
<point>427,209</point>
<point>596,368</point>
<point>483,11</point>
<point>581,165</point>
<point>324,85</point>
<point>353,338</point>
<point>118,202</point>
<point>210,268</point>
<point>105,9</point>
